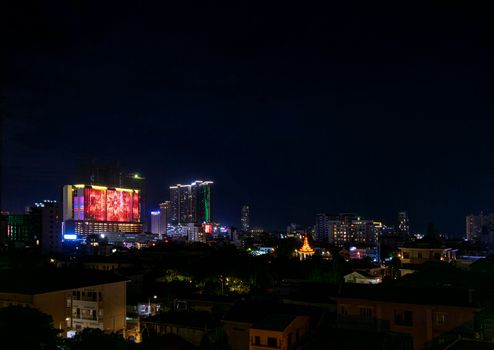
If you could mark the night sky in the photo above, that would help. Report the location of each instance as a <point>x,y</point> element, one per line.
<point>292,109</point>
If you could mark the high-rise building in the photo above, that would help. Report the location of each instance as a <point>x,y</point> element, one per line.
<point>164,217</point>
<point>191,203</point>
<point>480,227</point>
<point>244,218</point>
<point>91,209</point>
<point>346,229</point>
<point>403,224</point>
<point>201,201</point>
<point>341,228</point>
<point>49,215</point>
<point>155,221</point>
<point>322,229</point>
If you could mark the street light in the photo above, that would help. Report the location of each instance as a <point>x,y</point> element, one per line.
<point>149,303</point>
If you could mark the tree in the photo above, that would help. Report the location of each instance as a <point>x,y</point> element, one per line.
<point>94,338</point>
<point>27,328</point>
<point>216,339</point>
<point>393,268</point>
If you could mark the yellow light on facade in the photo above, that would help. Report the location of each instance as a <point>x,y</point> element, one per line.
<point>123,189</point>
<point>99,187</point>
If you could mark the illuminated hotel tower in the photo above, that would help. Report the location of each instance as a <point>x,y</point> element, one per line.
<point>91,209</point>
<point>190,203</point>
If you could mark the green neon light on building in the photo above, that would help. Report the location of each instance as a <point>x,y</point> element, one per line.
<point>207,196</point>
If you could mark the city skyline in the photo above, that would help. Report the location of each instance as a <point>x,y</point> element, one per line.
<point>294,110</point>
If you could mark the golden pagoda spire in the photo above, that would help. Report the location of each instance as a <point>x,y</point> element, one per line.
<point>306,248</point>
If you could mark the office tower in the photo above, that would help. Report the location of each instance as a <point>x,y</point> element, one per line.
<point>155,221</point>
<point>191,203</point>
<point>91,209</point>
<point>322,228</point>
<point>244,218</point>
<point>164,217</point>
<point>403,224</point>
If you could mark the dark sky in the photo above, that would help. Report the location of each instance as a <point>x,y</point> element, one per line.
<point>293,109</point>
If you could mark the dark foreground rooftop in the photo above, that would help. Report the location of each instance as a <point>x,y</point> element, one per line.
<point>274,322</point>
<point>39,281</point>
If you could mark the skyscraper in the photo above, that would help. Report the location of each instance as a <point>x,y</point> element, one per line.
<point>164,217</point>
<point>201,201</point>
<point>244,218</point>
<point>403,224</point>
<point>191,203</point>
<point>180,197</point>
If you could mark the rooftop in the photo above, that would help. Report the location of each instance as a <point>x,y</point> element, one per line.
<point>274,322</point>
<point>38,281</point>
<point>200,320</point>
<point>405,294</point>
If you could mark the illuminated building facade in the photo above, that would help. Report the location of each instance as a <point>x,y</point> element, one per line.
<point>244,219</point>
<point>21,229</point>
<point>180,203</point>
<point>344,229</point>
<point>164,217</point>
<point>90,209</point>
<point>155,221</point>
<point>190,203</point>
<point>39,227</point>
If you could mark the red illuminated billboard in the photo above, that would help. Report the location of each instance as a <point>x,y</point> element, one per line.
<point>118,206</point>
<point>95,206</point>
<point>135,207</point>
<point>102,204</point>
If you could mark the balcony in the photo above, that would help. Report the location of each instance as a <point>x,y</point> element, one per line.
<point>356,322</point>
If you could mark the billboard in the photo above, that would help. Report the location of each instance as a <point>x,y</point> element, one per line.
<point>99,203</point>
<point>136,212</point>
<point>118,206</point>
<point>95,204</point>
